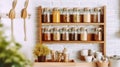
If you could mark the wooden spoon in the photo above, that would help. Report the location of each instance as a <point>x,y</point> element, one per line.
<point>24,16</point>
<point>12,17</point>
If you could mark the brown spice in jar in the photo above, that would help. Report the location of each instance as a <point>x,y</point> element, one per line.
<point>71,18</point>
<point>46,15</point>
<point>64,34</point>
<point>81,18</point>
<point>99,35</point>
<point>46,35</point>
<point>90,36</point>
<point>51,19</point>
<point>101,15</point>
<point>94,15</point>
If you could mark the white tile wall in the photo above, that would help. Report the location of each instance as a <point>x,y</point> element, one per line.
<point>113,24</point>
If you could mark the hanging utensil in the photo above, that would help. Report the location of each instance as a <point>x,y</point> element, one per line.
<point>24,16</point>
<point>12,17</point>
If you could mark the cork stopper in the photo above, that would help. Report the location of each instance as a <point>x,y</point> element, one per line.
<point>83,29</point>
<point>55,9</point>
<point>75,9</point>
<point>46,9</point>
<point>96,9</point>
<point>99,29</point>
<point>87,9</point>
<point>65,9</point>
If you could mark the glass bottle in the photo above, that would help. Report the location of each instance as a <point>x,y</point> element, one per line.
<point>76,15</point>
<point>71,14</point>
<point>79,33</point>
<point>66,16</point>
<point>51,16</point>
<point>91,32</point>
<point>46,15</point>
<point>87,16</point>
<point>76,33</point>
<point>101,14</point>
<point>72,33</point>
<point>61,15</point>
<point>56,15</point>
<point>99,34</point>
<point>83,34</point>
<point>43,33</point>
<point>56,34</point>
<point>81,15</point>
<point>47,34</point>
<point>94,15</point>
<point>65,34</point>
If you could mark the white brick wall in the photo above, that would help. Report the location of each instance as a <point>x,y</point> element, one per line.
<point>113,24</point>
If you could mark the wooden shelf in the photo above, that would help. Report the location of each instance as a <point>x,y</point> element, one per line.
<point>73,24</point>
<point>73,41</point>
<point>60,64</point>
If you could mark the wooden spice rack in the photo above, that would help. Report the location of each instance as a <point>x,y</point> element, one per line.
<point>53,64</point>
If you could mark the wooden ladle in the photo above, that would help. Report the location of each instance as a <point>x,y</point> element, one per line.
<point>12,17</point>
<point>24,16</point>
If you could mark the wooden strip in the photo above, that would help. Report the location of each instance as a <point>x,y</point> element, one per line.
<point>104,47</point>
<point>39,20</point>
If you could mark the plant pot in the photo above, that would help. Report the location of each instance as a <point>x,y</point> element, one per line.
<point>41,58</point>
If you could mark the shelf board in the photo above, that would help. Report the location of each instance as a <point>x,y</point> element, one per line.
<point>63,64</point>
<point>73,41</point>
<point>73,23</point>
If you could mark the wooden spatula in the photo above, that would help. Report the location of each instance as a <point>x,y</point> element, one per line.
<point>12,17</point>
<point>24,16</point>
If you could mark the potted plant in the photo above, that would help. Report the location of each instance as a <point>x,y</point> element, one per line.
<point>41,51</point>
<point>10,56</point>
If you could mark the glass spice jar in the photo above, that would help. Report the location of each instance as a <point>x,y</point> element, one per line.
<point>76,15</point>
<point>61,15</point>
<point>91,33</point>
<point>66,16</point>
<point>81,14</point>
<point>65,34</point>
<point>94,15</point>
<point>43,31</point>
<point>83,34</point>
<point>99,34</point>
<point>101,10</point>
<point>46,15</point>
<point>72,33</point>
<point>87,15</point>
<point>79,33</point>
<point>76,33</point>
<point>51,16</point>
<point>71,14</point>
<point>56,15</point>
<point>56,34</point>
<point>46,34</point>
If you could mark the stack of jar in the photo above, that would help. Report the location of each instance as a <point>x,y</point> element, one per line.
<point>66,15</point>
<point>72,34</point>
